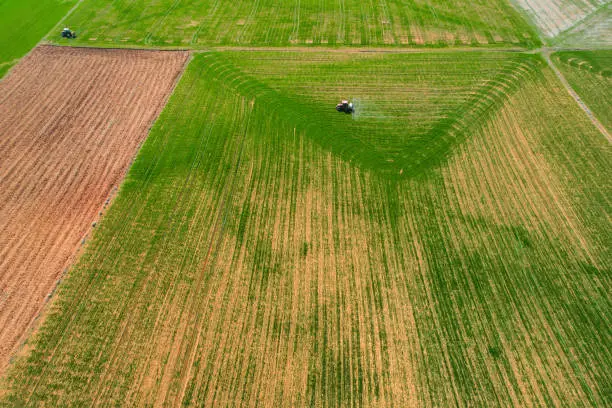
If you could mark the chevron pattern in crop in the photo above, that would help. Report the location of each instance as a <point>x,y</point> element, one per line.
<point>556,16</point>
<point>409,111</point>
<point>246,261</point>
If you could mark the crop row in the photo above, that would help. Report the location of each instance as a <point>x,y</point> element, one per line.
<point>273,22</point>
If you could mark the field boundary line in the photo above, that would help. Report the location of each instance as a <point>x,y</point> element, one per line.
<point>301,49</point>
<point>577,98</point>
<point>39,319</point>
<point>315,49</point>
<point>122,330</point>
<point>12,62</point>
<point>365,50</point>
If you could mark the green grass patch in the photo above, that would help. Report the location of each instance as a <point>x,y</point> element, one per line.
<point>4,68</point>
<point>24,22</point>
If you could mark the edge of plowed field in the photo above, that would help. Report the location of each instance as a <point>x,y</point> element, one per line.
<point>21,346</point>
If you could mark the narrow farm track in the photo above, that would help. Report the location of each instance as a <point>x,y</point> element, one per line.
<point>588,73</point>
<point>71,121</point>
<point>577,98</point>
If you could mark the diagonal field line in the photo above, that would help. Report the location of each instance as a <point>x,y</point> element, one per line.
<point>68,14</point>
<point>583,20</point>
<point>579,101</point>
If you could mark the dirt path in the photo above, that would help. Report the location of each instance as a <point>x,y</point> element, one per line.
<point>583,106</point>
<point>71,121</point>
<point>373,50</point>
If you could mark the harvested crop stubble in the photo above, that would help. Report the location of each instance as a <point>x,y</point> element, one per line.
<point>70,122</point>
<point>555,16</point>
<point>594,31</point>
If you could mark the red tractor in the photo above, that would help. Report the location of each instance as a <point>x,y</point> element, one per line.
<point>345,107</point>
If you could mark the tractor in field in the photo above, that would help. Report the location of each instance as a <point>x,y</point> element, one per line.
<point>68,33</point>
<point>345,106</point>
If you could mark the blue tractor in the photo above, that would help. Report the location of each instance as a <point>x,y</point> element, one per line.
<point>68,33</point>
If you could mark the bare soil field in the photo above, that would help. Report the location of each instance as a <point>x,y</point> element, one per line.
<point>71,120</point>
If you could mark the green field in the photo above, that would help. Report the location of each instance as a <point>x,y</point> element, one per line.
<point>23,23</point>
<point>294,22</point>
<point>257,255</point>
<point>590,74</point>
<point>5,68</point>
<point>448,244</point>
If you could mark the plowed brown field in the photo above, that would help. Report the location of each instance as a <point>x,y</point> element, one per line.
<point>71,120</point>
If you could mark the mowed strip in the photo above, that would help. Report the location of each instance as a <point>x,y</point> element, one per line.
<point>71,120</point>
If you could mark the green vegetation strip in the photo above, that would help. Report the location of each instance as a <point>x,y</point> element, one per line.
<point>246,261</point>
<point>299,22</point>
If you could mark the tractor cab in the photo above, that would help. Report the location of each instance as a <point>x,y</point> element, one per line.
<point>345,106</point>
<point>68,33</point>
